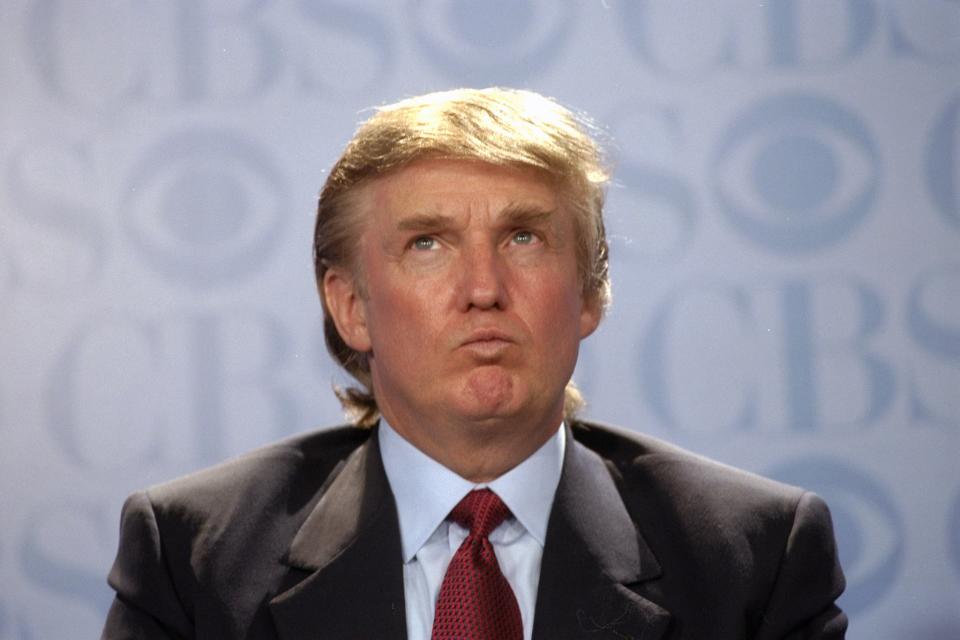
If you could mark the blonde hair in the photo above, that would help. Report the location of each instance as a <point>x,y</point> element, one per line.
<point>503,127</point>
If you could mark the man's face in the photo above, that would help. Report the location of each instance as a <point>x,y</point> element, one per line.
<point>471,309</point>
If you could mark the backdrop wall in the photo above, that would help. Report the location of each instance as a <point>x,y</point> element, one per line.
<point>785,231</point>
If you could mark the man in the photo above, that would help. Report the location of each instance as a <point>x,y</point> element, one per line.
<point>461,258</point>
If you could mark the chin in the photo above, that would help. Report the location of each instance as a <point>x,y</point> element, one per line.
<point>489,389</point>
<point>494,396</point>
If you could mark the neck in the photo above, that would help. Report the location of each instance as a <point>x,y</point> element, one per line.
<point>479,451</point>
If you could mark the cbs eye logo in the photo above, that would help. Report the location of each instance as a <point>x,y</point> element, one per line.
<point>868,526</point>
<point>796,173</point>
<point>495,41</point>
<point>204,207</point>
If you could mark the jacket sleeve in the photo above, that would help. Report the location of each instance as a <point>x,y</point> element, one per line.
<point>146,606</point>
<point>802,602</point>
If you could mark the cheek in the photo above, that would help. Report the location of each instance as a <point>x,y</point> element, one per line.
<point>558,302</point>
<point>401,323</point>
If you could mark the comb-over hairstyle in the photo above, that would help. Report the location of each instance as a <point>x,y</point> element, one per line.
<point>502,127</point>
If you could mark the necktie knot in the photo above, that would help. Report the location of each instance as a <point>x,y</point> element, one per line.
<point>481,511</point>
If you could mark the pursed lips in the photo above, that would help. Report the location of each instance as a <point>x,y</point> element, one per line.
<point>487,342</point>
<point>487,335</point>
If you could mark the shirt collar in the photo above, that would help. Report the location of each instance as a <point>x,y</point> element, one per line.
<point>426,491</point>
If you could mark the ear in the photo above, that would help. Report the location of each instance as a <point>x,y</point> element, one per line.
<point>590,315</point>
<point>347,309</point>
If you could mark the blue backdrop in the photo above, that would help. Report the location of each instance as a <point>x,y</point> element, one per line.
<point>785,231</point>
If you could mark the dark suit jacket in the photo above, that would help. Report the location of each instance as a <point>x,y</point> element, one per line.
<point>301,540</point>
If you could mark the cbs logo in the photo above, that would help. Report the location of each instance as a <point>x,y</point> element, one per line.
<point>204,207</point>
<point>796,173</point>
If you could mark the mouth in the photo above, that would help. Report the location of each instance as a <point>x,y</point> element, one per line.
<point>487,335</point>
<point>487,343</point>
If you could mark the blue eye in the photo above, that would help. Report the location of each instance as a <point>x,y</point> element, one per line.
<point>523,237</point>
<point>424,243</point>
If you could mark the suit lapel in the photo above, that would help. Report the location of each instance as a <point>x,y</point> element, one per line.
<point>593,551</point>
<point>346,577</point>
<point>346,570</point>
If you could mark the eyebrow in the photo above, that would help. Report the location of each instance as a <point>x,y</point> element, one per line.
<point>525,215</point>
<point>424,222</point>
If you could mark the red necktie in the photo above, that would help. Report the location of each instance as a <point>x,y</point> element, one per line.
<point>476,601</point>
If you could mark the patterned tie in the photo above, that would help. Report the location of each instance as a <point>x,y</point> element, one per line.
<point>475,601</point>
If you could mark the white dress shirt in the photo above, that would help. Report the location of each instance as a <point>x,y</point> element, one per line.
<point>426,492</point>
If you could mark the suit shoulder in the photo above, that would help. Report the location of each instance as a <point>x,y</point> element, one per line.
<point>649,465</point>
<point>295,464</point>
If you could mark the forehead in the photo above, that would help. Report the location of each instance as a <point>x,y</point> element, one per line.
<point>437,186</point>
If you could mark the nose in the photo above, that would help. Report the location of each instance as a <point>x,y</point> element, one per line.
<point>483,275</point>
